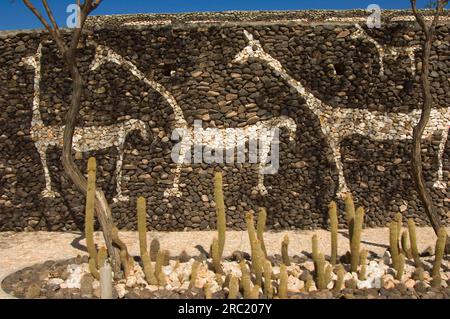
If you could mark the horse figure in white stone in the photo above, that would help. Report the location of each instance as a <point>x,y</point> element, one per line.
<point>84,139</point>
<point>105,54</point>
<point>338,123</point>
<point>384,51</point>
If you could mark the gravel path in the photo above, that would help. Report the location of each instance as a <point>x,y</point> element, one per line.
<point>19,250</point>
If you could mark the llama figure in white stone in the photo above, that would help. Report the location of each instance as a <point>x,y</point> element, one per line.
<point>338,123</point>
<point>84,139</point>
<point>105,54</point>
<point>384,51</point>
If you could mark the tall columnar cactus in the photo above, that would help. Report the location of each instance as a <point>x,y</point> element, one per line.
<point>159,273</point>
<point>215,252</point>
<point>285,251</point>
<point>315,247</point>
<point>332,212</point>
<point>413,242</point>
<point>233,289</point>
<point>89,218</point>
<point>328,274</point>
<point>340,278</point>
<point>349,214</point>
<point>439,252</point>
<point>393,243</point>
<point>246,282</point>
<point>258,263</point>
<point>256,267</point>
<point>320,271</point>
<point>260,228</point>
<point>142,231</point>
<point>102,256</point>
<point>405,245</point>
<point>194,274</point>
<point>268,288</point>
<point>125,259</point>
<point>220,211</point>
<point>282,287</point>
<point>399,221</point>
<point>356,239</point>
<point>362,271</point>
<point>400,267</point>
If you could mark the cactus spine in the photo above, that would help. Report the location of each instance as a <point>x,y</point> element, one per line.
<point>349,214</point>
<point>220,211</point>
<point>400,267</point>
<point>413,242</point>
<point>233,288</point>
<point>362,271</point>
<point>356,239</point>
<point>282,288</point>
<point>89,218</point>
<point>332,212</point>
<point>142,230</point>
<point>285,251</point>
<point>260,228</point>
<point>215,252</point>
<point>439,252</point>
<point>393,243</point>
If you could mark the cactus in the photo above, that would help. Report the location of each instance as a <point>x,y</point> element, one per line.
<point>220,211</point>
<point>260,228</point>
<point>215,252</point>
<point>194,272</point>
<point>268,289</point>
<point>319,265</point>
<point>282,287</point>
<point>102,256</point>
<point>413,242</point>
<point>162,280</point>
<point>254,243</point>
<point>405,245</point>
<point>399,220</point>
<point>400,267</point>
<point>309,282</point>
<point>254,294</point>
<point>124,256</point>
<point>142,231</point>
<point>439,252</point>
<point>89,218</point>
<point>332,212</point>
<point>233,287</point>
<point>328,276</point>
<point>362,271</point>
<point>154,249</point>
<point>393,243</point>
<point>315,248</point>
<point>349,214</point>
<point>207,291</point>
<point>356,239</point>
<point>340,278</point>
<point>246,282</point>
<point>284,251</point>
<point>258,263</point>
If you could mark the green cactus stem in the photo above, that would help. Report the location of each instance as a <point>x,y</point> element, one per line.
<point>215,252</point>
<point>207,291</point>
<point>268,288</point>
<point>159,273</point>
<point>260,228</point>
<point>309,282</point>
<point>258,263</point>
<point>246,282</point>
<point>400,267</point>
<point>282,287</point>
<point>349,214</point>
<point>340,278</point>
<point>220,211</point>
<point>315,246</point>
<point>254,294</point>
<point>362,271</point>
<point>356,239</point>
<point>194,273</point>
<point>405,245</point>
<point>439,252</point>
<point>256,266</point>
<point>393,244</point>
<point>233,288</point>
<point>102,256</point>
<point>332,212</point>
<point>285,251</point>
<point>328,274</point>
<point>320,271</point>
<point>154,249</point>
<point>124,256</point>
<point>142,231</point>
<point>413,243</point>
<point>399,221</point>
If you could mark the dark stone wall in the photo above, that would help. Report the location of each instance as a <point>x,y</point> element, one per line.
<point>192,61</point>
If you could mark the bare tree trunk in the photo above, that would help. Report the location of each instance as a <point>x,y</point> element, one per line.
<point>419,180</point>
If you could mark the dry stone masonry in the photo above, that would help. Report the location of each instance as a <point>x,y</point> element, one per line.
<point>345,98</point>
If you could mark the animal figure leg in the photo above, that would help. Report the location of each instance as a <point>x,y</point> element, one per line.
<point>175,190</point>
<point>440,182</point>
<point>342,187</point>
<point>47,192</point>
<point>263,155</point>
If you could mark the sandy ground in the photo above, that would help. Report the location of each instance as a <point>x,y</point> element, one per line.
<point>19,250</point>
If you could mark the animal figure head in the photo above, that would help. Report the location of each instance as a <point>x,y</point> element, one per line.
<point>141,126</point>
<point>252,50</point>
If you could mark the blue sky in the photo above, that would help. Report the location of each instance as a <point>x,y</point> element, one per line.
<point>14,15</point>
